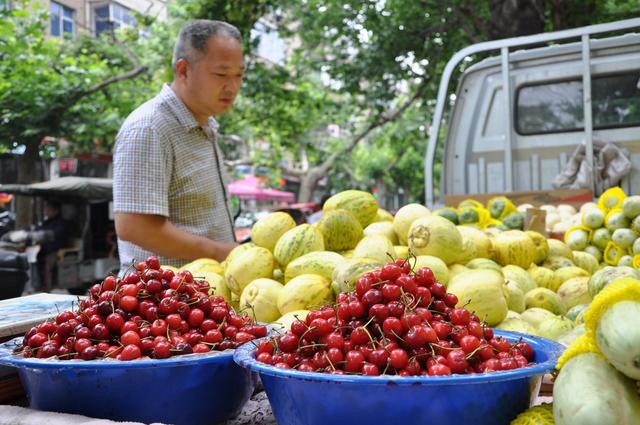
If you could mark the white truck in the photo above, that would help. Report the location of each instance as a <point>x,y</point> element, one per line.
<point>517,118</point>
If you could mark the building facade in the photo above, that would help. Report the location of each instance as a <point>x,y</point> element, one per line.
<point>67,18</point>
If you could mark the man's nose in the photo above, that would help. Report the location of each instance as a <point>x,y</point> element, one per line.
<point>233,85</point>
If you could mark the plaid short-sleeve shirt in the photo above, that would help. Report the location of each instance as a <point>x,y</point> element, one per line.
<point>166,164</point>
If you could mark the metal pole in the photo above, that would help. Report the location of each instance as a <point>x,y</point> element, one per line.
<point>506,88</point>
<point>586,104</point>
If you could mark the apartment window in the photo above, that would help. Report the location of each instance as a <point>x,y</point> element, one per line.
<point>556,107</point>
<point>61,20</point>
<point>112,16</point>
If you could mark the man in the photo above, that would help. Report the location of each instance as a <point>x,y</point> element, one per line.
<point>52,235</point>
<point>170,197</point>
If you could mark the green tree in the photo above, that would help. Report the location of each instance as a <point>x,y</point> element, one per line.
<point>385,59</point>
<point>44,81</point>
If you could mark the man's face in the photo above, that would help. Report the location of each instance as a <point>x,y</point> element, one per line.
<point>50,211</point>
<point>214,80</point>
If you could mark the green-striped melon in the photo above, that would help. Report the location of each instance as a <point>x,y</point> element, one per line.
<point>437,236</point>
<point>475,244</point>
<point>305,292</point>
<point>341,230</point>
<point>217,284</point>
<point>266,231</point>
<point>520,277</point>
<point>402,251</point>
<point>359,203</point>
<point>559,248</point>
<point>382,215</point>
<point>543,276</point>
<point>236,252</point>
<point>541,244</point>
<point>286,320</point>
<point>254,263</point>
<point>575,291</point>
<point>483,263</point>
<point>259,299</point>
<point>483,292</point>
<point>322,263</point>
<point>377,247</point>
<point>586,261</point>
<point>565,273</point>
<point>555,262</point>
<point>384,228</point>
<point>437,266</point>
<point>514,247</point>
<point>345,275</point>
<point>296,242</point>
<point>545,298</point>
<point>405,217</point>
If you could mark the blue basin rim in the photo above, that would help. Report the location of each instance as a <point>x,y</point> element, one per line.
<point>8,358</point>
<point>548,349</point>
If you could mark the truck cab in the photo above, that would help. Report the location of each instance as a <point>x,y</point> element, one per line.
<point>517,118</point>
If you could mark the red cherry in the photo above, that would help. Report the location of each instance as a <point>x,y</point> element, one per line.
<point>109,283</point>
<point>354,360</point>
<point>425,277</point>
<point>159,327</point>
<point>130,338</point>
<point>390,272</point>
<point>363,284</point>
<point>404,265</point>
<point>288,342</point>
<point>196,317</point>
<point>153,263</point>
<point>129,303</point>
<point>438,290</point>
<point>469,343</point>
<point>526,350</point>
<point>114,322</point>
<point>369,369</point>
<point>439,370</point>
<point>398,358</point>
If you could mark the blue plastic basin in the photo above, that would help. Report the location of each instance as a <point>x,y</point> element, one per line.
<point>493,398</point>
<point>191,390</point>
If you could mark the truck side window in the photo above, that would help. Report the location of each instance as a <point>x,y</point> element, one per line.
<point>616,100</point>
<point>557,107</point>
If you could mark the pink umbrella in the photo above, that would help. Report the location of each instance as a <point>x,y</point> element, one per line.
<point>279,195</point>
<point>251,188</point>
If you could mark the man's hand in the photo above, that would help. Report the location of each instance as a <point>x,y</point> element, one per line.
<point>157,234</point>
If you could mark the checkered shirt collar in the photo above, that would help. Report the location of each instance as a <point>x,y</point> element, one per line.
<point>180,110</point>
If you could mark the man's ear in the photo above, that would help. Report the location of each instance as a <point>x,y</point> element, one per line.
<point>182,67</point>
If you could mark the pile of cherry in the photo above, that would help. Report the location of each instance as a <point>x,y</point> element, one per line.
<point>396,322</point>
<point>149,313</point>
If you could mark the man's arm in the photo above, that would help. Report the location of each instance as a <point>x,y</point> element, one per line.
<point>157,234</point>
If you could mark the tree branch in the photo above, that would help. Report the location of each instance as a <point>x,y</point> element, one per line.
<point>349,171</point>
<point>138,69</point>
<point>241,161</point>
<point>378,122</point>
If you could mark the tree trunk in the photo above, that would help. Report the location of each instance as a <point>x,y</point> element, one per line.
<point>26,175</point>
<point>571,13</point>
<point>308,183</point>
<point>512,18</point>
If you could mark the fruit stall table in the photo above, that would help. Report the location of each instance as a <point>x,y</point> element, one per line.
<point>257,411</point>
